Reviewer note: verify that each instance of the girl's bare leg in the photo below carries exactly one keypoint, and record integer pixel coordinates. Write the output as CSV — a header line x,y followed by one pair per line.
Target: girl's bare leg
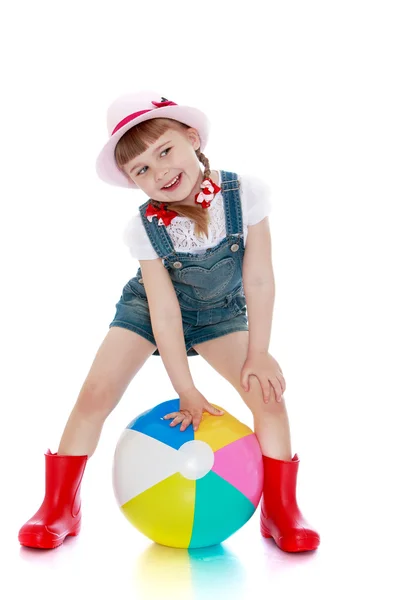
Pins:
x,y
227,355
119,358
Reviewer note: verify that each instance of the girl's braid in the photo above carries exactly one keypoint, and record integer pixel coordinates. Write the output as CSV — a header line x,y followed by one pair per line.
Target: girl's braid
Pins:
x,y
204,160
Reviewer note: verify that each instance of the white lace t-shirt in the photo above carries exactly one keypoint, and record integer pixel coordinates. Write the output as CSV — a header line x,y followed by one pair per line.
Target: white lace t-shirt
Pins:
x,y
256,204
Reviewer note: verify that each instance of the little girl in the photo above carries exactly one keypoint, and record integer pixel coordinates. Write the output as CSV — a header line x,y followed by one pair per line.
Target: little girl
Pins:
x,y
205,286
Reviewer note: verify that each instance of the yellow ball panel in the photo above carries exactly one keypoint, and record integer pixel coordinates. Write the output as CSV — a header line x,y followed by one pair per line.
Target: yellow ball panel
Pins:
x,y
218,432
165,512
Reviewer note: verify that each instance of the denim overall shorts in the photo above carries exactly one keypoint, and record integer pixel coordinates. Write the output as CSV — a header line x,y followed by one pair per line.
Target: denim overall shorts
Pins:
x,y
209,285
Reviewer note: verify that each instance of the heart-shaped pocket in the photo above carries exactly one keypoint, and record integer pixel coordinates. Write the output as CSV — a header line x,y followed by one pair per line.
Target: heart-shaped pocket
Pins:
x,y
208,283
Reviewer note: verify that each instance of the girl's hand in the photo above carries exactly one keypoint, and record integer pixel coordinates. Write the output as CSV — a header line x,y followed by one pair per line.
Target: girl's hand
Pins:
x,y
192,405
268,372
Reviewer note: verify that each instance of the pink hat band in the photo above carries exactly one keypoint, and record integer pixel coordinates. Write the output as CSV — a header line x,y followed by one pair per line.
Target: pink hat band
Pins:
x,y
142,112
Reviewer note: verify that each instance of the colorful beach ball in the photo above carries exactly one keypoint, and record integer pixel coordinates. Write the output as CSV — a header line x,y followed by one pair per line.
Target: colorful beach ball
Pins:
x,y
187,489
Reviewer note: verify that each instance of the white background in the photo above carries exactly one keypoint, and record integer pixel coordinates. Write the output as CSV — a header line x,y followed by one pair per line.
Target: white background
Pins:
x,y
303,94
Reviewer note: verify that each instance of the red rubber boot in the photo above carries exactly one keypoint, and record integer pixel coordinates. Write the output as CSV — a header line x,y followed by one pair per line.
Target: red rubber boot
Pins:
x,y
60,512
281,518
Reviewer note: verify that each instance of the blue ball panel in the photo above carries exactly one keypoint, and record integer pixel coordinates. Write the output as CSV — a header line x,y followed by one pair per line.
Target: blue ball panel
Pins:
x,y
151,423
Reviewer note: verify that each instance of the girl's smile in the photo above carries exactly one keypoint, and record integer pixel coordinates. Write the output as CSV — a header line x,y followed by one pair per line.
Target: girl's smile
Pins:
x,y
173,184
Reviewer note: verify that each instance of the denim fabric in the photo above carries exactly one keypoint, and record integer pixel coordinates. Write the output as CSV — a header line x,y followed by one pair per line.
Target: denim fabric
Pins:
x,y
208,285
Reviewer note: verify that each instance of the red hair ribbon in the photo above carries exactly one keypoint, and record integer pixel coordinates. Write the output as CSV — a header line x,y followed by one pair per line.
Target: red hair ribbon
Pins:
x,y
209,189
163,215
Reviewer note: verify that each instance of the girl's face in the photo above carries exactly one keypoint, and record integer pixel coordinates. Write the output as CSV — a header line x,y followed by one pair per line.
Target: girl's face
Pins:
x,y
170,160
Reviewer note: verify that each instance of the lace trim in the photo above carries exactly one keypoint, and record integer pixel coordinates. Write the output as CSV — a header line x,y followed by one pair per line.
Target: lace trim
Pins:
x,y
181,229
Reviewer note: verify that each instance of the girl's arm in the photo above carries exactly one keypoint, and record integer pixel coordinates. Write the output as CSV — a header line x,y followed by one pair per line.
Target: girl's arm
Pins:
x,y
259,285
166,322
